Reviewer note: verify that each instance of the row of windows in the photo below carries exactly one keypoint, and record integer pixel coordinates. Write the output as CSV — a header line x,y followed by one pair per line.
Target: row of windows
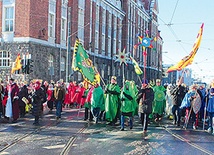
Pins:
x,y
5,60
8,25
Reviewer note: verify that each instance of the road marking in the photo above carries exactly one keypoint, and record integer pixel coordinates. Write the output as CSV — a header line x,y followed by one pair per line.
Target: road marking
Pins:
x,y
54,147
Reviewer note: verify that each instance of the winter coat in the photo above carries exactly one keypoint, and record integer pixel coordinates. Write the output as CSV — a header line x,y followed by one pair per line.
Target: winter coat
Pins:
x,y
59,93
210,107
23,93
178,94
37,102
145,99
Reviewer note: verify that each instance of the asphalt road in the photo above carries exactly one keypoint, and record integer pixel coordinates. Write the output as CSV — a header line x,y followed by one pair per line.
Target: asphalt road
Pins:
x,y
73,136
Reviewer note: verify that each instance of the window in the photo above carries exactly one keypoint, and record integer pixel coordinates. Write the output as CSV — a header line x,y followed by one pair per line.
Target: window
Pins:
x,y
109,47
50,61
9,18
63,60
51,25
81,24
96,40
63,30
51,21
81,4
4,59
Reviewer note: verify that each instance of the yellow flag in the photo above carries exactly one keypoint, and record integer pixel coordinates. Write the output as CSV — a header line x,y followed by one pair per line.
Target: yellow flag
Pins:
x,y
187,60
136,66
17,65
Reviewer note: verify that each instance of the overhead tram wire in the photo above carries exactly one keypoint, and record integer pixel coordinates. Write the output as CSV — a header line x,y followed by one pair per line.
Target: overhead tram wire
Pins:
x,y
174,11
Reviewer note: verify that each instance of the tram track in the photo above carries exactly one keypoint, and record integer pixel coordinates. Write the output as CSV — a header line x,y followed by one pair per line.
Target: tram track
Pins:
x,y
71,141
5,145
16,140
189,142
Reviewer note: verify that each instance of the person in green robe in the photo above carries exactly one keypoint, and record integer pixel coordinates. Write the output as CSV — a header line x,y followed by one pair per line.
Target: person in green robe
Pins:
x,y
97,101
159,103
128,103
112,101
135,92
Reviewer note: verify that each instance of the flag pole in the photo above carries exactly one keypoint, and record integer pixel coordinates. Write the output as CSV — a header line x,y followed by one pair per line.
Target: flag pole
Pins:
x,y
182,75
144,63
95,68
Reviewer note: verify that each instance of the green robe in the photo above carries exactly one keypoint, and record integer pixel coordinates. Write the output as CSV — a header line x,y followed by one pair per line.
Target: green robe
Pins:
x,y
97,99
159,103
112,101
128,98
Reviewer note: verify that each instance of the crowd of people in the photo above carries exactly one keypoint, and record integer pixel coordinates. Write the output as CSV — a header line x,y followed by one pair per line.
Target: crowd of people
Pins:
x,y
113,104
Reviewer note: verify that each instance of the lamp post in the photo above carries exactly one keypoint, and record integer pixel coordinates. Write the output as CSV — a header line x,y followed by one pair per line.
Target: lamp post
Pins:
x,y
68,60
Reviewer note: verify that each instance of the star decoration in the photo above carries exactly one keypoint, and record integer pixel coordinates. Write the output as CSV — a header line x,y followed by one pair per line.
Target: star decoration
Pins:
x,y
122,57
145,41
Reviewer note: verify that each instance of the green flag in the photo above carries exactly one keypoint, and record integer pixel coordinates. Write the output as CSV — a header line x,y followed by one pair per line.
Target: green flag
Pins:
x,y
82,63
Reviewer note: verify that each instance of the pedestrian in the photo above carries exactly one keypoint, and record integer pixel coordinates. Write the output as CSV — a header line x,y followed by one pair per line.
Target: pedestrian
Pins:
x,y
210,110
97,101
50,96
23,100
112,102
128,104
169,102
59,95
74,94
1,99
178,94
12,105
159,101
80,94
87,104
203,91
37,99
69,93
191,101
145,99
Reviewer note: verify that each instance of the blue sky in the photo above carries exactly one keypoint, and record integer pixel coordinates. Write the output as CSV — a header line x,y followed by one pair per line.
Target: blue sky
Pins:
x,y
179,23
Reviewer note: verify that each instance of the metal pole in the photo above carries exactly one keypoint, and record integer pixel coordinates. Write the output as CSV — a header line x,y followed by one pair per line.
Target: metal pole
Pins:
x,y
68,60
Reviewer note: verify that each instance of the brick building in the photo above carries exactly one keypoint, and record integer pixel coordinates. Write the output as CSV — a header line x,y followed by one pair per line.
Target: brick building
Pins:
x,y
44,28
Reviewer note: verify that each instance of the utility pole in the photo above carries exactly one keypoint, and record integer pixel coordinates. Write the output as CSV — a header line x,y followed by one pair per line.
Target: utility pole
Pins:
x,y
68,60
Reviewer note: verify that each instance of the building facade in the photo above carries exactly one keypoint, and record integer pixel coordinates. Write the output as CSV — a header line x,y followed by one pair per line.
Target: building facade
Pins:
x,y
47,29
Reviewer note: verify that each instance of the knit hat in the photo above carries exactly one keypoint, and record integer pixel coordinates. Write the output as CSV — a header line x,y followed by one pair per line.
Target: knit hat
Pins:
x,y
145,81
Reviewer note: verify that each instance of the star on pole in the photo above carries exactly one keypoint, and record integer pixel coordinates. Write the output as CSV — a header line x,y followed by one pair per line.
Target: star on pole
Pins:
x,y
122,57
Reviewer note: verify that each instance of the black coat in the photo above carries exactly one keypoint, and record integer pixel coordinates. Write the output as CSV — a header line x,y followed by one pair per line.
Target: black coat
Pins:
x,y
37,102
178,94
145,99
23,93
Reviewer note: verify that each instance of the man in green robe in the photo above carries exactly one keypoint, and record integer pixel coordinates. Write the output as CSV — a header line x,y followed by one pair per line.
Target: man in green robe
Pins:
x,y
159,101
128,103
97,101
112,102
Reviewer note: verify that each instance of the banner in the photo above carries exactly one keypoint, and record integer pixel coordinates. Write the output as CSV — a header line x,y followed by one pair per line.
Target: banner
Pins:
x,y
187,60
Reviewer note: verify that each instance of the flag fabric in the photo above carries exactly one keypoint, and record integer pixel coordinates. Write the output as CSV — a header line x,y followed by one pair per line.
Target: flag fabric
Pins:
x,y
187,60
137,69
17,64
83,64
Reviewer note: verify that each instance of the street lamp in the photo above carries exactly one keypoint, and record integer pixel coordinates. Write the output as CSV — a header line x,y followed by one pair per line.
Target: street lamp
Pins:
x,y
68,59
